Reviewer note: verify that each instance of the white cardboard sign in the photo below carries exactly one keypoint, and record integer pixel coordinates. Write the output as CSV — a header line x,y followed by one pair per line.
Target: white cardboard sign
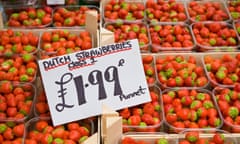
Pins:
x,y
55,2
78,84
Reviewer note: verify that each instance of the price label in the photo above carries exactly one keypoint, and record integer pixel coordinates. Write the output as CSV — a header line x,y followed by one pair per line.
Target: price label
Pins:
x,y
55,2
78,84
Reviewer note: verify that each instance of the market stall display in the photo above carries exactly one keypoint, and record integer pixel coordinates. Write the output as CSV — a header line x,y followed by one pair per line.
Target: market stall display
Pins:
x,y
190,57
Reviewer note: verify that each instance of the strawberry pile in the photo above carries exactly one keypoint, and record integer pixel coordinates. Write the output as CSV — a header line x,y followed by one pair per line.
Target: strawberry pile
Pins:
x,y
229,105
190,108
71,16
166,37
213,35
40,130
223,70
60,42
129,11
165,11
207,11
180,71
128,31
29,17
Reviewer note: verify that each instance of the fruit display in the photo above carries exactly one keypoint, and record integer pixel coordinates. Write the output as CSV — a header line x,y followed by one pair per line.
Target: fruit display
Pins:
x,y
189,51
165,11
16,101
29,17
145,117
213,10
11,132
180,70
171,37
188,108
210,136
63,41
124,10
18,42
41,130
222,70
215,36
71,15
228,103
126,31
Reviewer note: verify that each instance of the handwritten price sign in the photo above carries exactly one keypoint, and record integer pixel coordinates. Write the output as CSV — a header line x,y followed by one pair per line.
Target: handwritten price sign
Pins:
x,y
78,84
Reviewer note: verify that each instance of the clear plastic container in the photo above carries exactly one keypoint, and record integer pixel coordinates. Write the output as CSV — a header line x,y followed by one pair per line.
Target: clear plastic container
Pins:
x,y
236,26
18,17
61,44
232,6
218,56
19,68
148,61
162,59
176,13
15,3
213,16
149,121
230,124
19,42
138,7
207,47
149,138
208,135
176,42
19,99
34,128
126,31
189,112
60,18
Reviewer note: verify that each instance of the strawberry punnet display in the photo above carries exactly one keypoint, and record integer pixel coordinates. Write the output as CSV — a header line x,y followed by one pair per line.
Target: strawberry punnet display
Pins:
x,y
29,17
165,11
11,132
223,69
208,136
207,11
60,42
215,36
171,37
16,100
41,130
188,108
234,9
126,31
180,71
18,42
229,105
124,10
146,117
71,15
